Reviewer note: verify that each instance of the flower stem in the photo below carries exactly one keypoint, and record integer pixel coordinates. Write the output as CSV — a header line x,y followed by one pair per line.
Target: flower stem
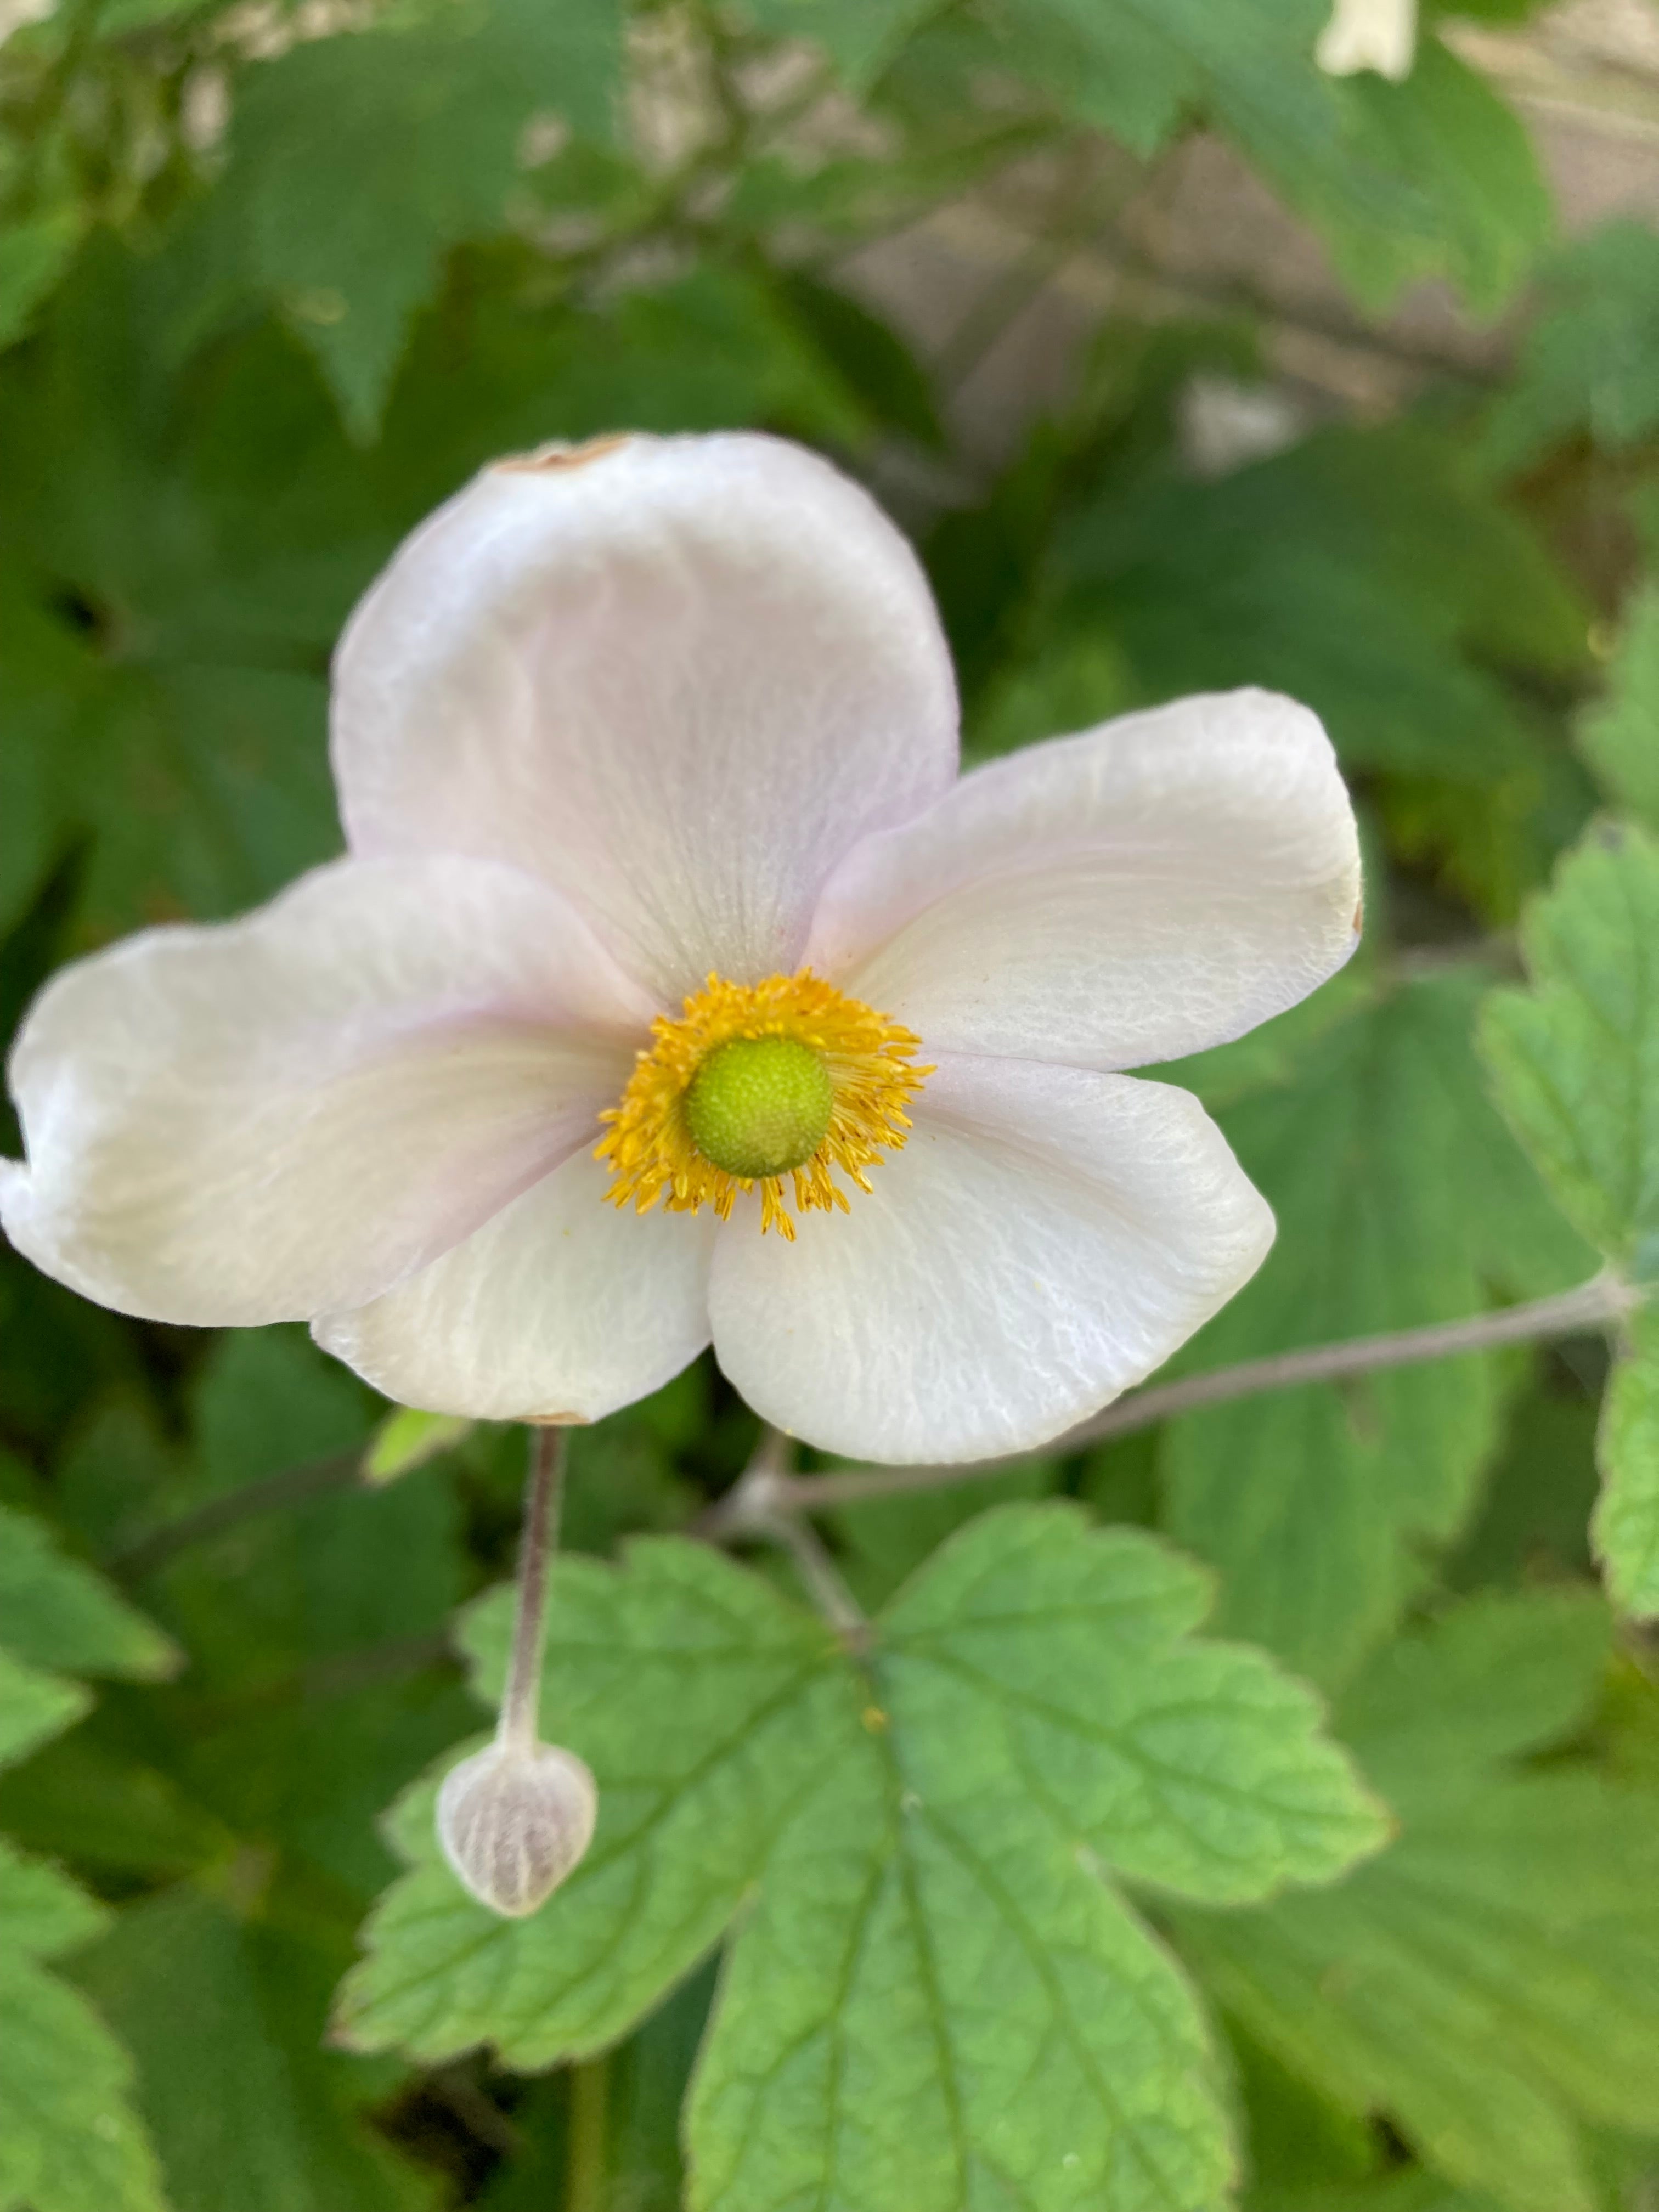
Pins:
x,y
767,1483
586,2159
543,1498
1597,1304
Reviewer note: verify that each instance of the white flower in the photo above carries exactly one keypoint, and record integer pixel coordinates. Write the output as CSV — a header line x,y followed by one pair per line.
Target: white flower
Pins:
x,y
664,731
1370,34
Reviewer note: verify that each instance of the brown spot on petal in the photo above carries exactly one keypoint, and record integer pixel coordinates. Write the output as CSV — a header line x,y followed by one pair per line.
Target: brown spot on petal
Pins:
x,y
1359,917
547,458
557,1420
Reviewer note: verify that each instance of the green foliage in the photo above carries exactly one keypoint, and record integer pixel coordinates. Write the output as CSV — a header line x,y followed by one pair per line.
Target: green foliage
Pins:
x,y
69,2139
1575,1058
1488,1981
321,209
407,1439
221,2017
926,1825
1620,737
1319,1503
1369,572
888,1922
1627,1523
1587,368
58,1613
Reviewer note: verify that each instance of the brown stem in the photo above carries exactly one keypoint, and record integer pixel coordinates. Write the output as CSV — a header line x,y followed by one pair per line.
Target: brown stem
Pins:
x,y
1594,1305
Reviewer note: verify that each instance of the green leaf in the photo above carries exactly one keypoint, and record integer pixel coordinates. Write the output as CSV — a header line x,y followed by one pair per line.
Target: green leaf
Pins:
x,y
1108,66
1400,1201
875,364
88,1799
407,1439
1492,1982
1625,1526
1483,211
34,255
1575,1058
1433,177
705,1705
1586,366
1619,737
860,36
1533,1522
317,1680
886,1539
69,2140
940,1993
335,221
1367,572
56,1613
34,1707
225,2021
41,1913
175,570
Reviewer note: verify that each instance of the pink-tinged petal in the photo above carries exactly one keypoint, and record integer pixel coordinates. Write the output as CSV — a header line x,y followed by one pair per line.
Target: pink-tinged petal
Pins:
x,y
1048,1236
262,1120
1151,888
561,1308
679,677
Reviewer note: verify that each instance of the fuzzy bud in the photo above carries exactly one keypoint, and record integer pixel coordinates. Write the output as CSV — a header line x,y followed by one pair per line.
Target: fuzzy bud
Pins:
x,y
514,1819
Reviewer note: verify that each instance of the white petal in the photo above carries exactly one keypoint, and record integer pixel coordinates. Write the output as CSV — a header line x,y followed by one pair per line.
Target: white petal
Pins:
x,y
679,677
1048,1236
561,1307
1152,887
1370,34
259,1121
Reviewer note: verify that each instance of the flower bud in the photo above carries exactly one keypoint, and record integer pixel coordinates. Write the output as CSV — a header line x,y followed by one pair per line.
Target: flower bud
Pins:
x,y
514,1819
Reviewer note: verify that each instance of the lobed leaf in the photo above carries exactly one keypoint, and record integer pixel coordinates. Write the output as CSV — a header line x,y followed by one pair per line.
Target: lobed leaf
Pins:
x,y
69,2139
938,1998
223,2015
1586,367
35,1707
1625,1528
54,1612
1400,1199
1575,1059
1489,1982
329,214
1619,737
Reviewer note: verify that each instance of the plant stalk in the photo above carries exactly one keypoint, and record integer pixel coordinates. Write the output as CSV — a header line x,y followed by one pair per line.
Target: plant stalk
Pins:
x,y
543,1498
764,1493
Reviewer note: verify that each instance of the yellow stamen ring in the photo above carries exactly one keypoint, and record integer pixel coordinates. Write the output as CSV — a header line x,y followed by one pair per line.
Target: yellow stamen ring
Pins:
x,y
754,1082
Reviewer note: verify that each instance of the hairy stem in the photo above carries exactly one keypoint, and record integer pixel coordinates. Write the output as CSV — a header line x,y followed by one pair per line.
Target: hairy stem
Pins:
x,y
544,1495
1595,1304
767,1484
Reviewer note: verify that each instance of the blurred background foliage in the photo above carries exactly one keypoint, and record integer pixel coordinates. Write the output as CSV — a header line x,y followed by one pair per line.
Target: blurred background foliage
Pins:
x,y
1187,367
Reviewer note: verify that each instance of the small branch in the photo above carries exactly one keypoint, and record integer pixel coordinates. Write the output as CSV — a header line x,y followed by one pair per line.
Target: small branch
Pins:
x,y
1598,1303
819,1573
294,1485
766,1487
543,1498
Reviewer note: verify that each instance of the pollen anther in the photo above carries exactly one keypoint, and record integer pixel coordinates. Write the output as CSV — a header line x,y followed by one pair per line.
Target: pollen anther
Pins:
x,y
765,1110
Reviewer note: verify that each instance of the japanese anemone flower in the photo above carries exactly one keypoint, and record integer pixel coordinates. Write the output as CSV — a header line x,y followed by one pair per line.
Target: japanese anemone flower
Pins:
x,y
662,889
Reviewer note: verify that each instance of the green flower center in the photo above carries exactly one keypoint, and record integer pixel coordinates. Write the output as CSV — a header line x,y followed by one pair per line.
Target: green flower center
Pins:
x,y
760,1106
